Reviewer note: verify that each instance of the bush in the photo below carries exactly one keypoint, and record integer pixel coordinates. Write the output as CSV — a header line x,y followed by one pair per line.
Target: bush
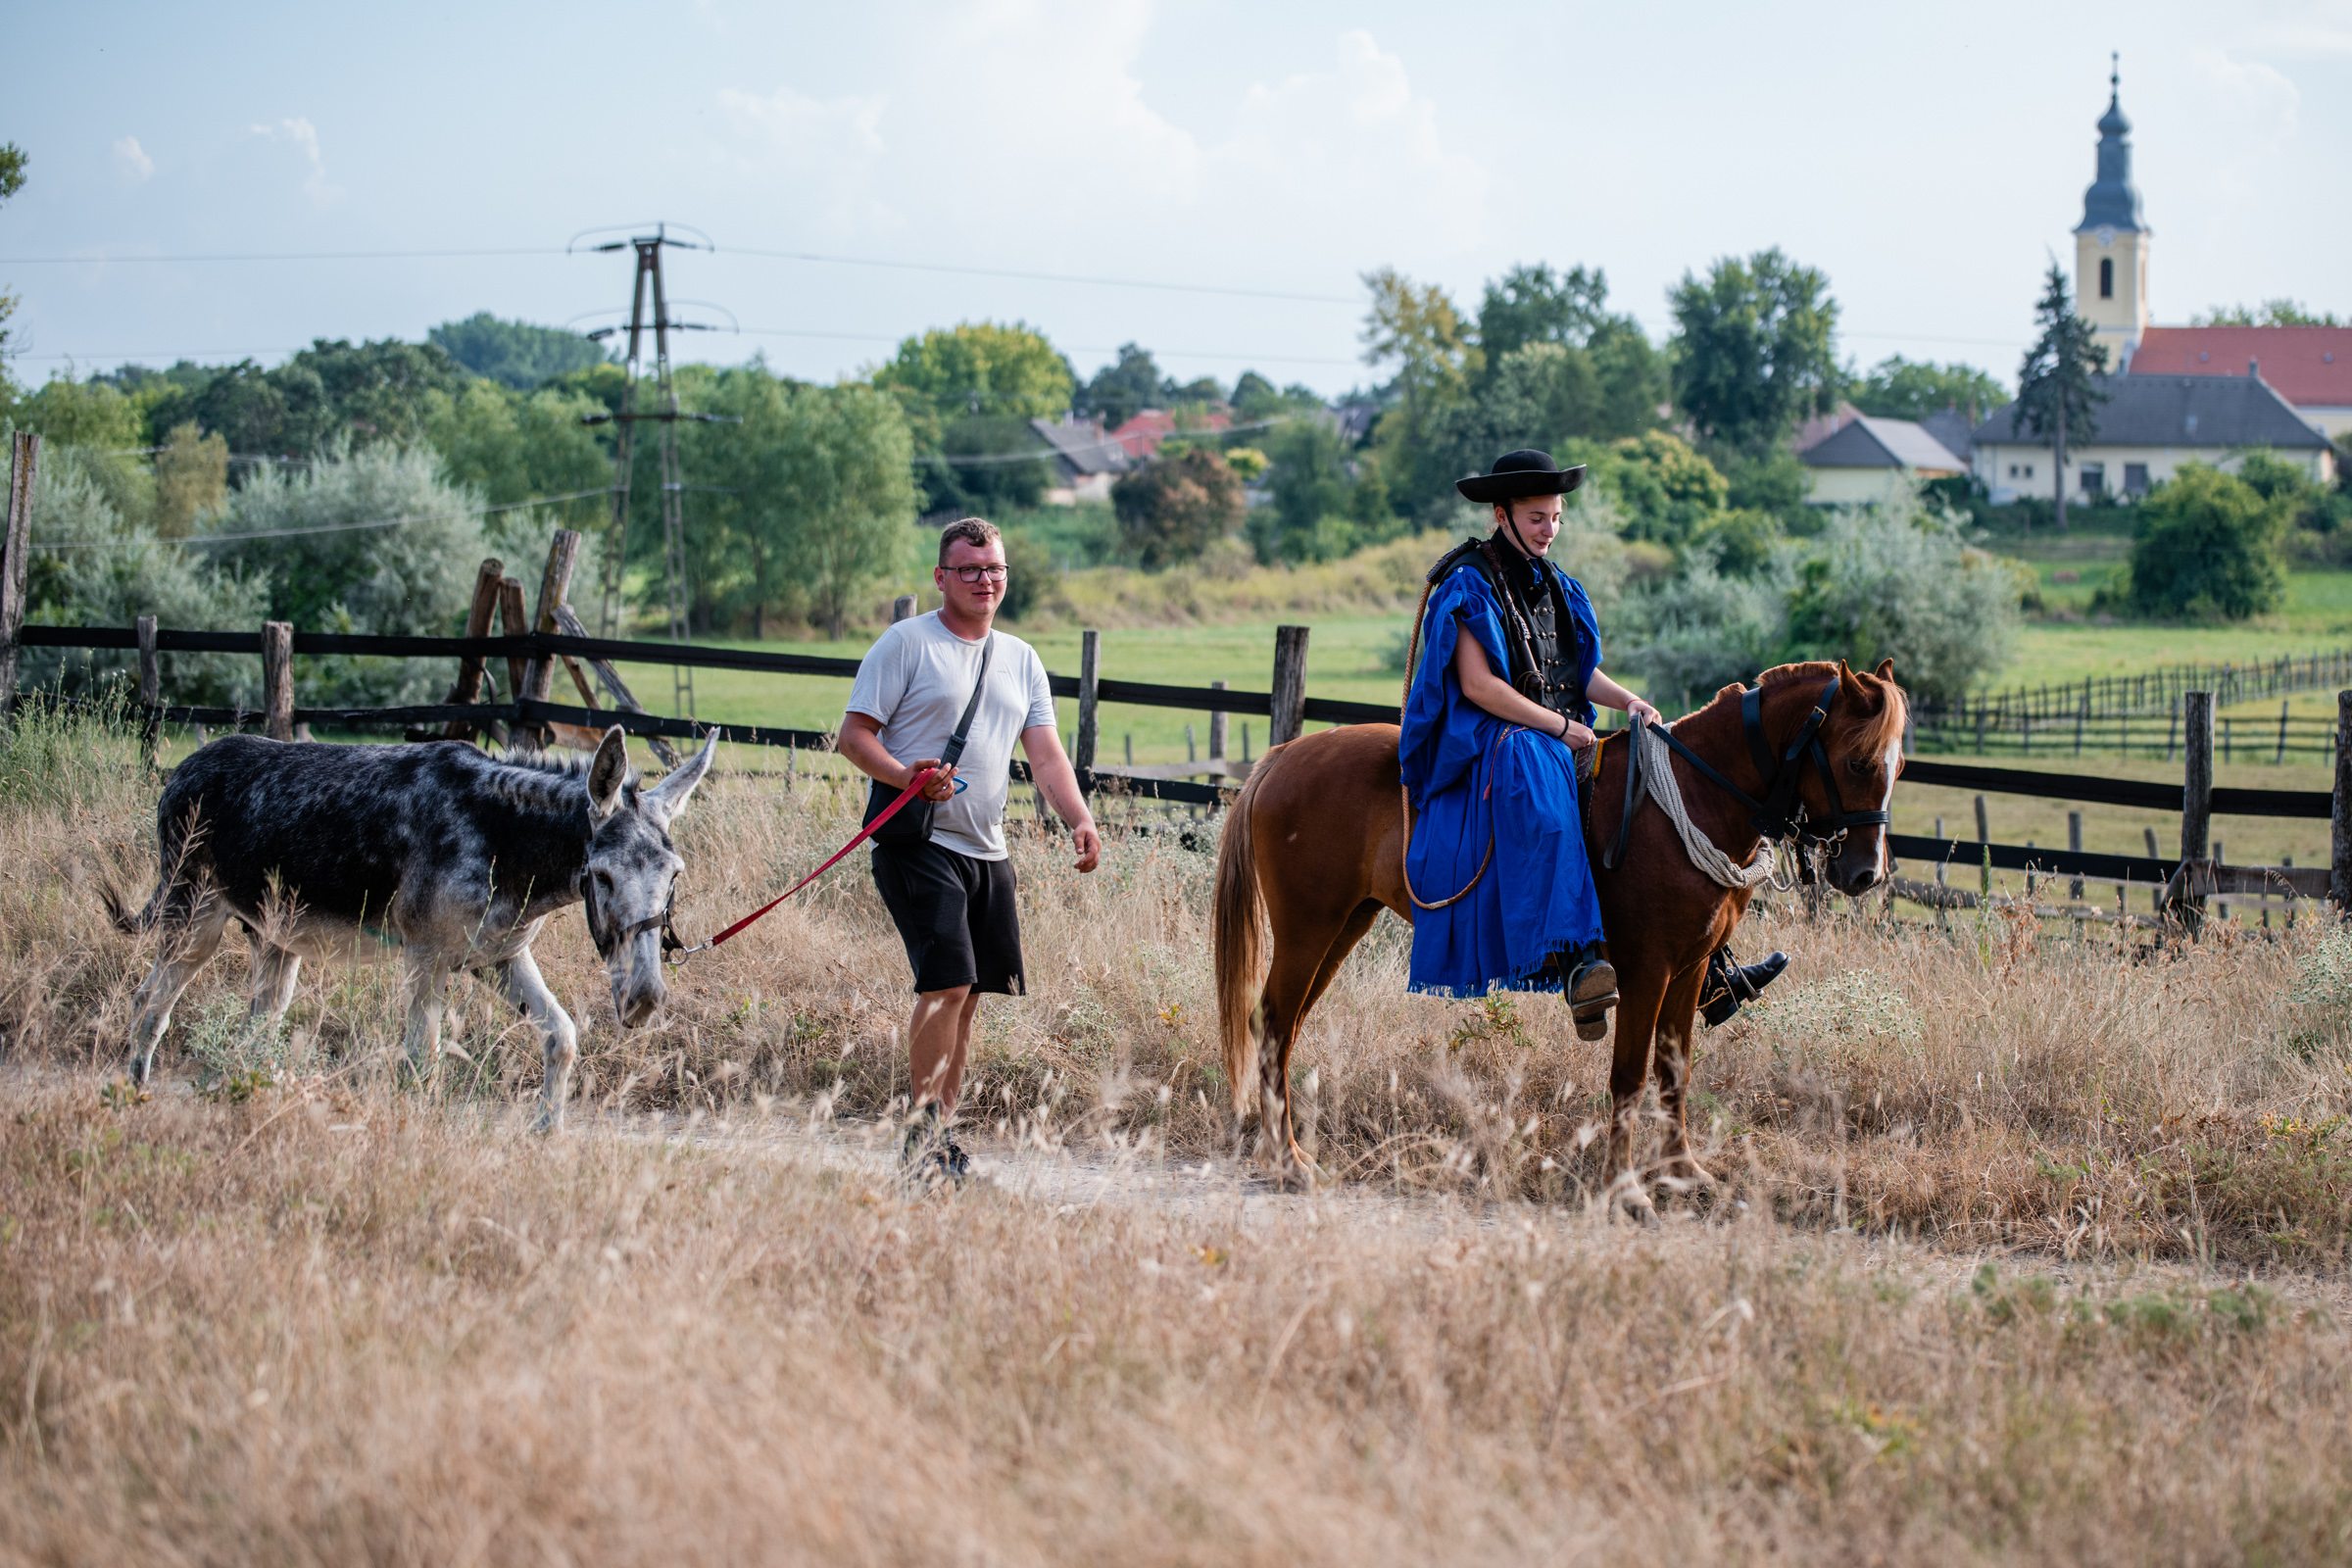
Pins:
x,y
92,567
370,541
2209,549
1899,582
1172,508
1687,636
1031,584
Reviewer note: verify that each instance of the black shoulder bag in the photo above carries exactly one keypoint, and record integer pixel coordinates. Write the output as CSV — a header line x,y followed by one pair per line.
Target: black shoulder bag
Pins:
x,y
913,824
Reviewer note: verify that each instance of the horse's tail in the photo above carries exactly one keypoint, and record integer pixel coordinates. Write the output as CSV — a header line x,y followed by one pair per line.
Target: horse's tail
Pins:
x,y
1237,943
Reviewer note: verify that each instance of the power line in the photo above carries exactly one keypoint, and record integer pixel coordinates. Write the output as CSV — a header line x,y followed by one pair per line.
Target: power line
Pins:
x,y
328,527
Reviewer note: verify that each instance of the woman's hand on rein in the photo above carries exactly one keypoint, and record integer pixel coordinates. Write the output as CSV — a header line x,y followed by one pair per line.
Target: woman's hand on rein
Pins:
x,y
1640,708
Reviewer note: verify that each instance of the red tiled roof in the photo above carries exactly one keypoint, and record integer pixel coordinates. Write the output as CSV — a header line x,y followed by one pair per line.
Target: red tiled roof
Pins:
x,y
2311,366
1142,434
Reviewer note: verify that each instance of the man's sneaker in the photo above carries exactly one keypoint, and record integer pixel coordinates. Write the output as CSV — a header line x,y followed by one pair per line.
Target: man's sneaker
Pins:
x,y
931,1154
1592,991
1730,983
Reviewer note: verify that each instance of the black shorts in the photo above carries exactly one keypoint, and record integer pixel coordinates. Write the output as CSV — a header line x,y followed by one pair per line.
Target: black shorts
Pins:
x,y
955,914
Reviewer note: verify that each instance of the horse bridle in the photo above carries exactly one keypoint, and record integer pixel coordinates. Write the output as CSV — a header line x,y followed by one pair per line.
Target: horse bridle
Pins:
x,y
1780,813
609,944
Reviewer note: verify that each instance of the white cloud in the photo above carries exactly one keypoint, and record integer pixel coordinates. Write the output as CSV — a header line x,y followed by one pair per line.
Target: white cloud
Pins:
x,y
303,136
132,160
1015,121
2256,101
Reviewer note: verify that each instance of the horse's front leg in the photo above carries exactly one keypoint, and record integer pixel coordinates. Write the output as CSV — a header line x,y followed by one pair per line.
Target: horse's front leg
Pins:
x,y
519,981
1671,1059
1642,991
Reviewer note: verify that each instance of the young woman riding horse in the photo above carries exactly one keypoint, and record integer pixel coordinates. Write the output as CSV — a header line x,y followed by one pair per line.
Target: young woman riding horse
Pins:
x,y
1506,880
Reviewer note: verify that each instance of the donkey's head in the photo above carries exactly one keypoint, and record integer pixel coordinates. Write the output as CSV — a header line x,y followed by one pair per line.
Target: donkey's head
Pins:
x,y
632,869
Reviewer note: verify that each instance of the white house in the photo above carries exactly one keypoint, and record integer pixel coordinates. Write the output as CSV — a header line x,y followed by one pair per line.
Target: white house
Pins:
x,y
2147,428
1869,460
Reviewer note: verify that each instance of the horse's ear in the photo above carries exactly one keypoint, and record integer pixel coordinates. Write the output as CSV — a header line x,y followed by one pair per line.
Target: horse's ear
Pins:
x,y
1886,670
606,774
1845,672
666,799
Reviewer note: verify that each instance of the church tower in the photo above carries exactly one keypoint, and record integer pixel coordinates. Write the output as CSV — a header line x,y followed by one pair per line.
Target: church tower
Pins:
x,y
2111,244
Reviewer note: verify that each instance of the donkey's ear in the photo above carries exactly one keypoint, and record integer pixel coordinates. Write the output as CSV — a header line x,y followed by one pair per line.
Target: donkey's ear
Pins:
x,y
666,799
1886,670
606,774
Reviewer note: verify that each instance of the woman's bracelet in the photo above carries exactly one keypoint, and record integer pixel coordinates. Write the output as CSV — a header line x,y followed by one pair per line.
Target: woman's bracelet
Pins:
x,y
1563,727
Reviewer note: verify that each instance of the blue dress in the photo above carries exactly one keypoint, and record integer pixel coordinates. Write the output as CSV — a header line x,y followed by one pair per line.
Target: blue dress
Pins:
x,y
1474,780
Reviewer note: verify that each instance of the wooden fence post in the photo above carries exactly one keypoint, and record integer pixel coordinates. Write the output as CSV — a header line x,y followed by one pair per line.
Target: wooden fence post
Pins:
x,y
555,587
2196,806
2282,756
1983,837
2339,822
151,691
2074,843
15,544
512,622
468,687
1289,685
1090,717
901,609
277,679
1217,727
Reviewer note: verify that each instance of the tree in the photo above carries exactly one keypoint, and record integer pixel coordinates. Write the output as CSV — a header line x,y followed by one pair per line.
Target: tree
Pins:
x,y
12,180
1665,489
1632,377
1417,329
1536,305
979,466
1121,389
1754,348
512,446
2208,549
107,427
2058,393
1253,396
1172,508
1897,389
333,390
2280,312
809,502
514,354
191,478
979,368
1542,394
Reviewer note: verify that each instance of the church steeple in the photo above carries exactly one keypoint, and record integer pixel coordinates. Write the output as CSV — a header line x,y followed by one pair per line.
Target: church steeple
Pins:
x,y
2111,244
2113,201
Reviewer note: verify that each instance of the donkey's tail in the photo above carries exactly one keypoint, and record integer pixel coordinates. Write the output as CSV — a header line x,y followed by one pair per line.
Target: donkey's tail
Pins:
x,y
1238,941
127,920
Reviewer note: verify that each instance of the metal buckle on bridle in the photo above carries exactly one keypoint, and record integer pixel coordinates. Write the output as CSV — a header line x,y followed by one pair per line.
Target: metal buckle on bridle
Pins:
x,y
665,922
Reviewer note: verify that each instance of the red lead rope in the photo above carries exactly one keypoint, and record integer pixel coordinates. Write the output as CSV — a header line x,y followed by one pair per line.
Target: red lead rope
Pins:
x,y
913,788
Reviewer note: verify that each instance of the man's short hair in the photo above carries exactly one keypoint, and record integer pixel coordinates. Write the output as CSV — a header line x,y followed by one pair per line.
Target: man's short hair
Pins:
x,y
977,532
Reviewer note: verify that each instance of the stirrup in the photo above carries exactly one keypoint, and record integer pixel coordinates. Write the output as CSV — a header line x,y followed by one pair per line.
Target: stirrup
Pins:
x,y
1592,991
1731,983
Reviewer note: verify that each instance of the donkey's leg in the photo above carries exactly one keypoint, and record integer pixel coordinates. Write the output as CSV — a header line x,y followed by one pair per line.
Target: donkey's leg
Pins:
x,y
190,933
1642,990
424,985
519,981
275,971
1671,1059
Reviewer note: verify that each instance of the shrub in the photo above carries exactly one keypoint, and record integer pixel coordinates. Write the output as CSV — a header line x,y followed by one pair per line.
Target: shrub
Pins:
x,y
2209,549
1174,507
1687,636
1899,582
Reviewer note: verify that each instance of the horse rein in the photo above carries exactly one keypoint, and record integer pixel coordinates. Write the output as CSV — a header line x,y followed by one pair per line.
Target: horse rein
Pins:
x,y
1780,815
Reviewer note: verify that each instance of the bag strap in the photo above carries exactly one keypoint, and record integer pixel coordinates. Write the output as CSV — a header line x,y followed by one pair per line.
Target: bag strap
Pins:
x,y
964,725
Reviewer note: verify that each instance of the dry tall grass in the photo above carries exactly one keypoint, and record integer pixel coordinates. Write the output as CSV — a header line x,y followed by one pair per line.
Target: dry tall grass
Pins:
x,y
306,1316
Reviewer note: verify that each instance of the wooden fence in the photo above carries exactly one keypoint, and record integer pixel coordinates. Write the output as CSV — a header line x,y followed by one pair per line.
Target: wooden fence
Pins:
x,y
2149,693
2182,883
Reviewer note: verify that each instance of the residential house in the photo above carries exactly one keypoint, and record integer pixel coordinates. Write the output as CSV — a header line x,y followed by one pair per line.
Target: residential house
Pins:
x,y
1869,460
1142,434
1087,460
2310,367
2146,429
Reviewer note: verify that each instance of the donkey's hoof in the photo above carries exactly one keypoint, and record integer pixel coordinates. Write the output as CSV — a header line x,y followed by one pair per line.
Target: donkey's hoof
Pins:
x,y
1688,1176
1628,1200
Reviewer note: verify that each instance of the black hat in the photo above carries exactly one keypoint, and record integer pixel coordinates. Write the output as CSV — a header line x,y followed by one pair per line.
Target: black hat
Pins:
x,y
1527,472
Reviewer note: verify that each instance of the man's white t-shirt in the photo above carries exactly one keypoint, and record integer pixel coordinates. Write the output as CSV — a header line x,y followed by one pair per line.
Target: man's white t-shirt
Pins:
x,y
915,682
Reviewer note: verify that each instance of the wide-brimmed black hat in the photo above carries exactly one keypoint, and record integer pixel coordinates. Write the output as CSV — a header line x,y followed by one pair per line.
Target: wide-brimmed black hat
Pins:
x,y
1526,472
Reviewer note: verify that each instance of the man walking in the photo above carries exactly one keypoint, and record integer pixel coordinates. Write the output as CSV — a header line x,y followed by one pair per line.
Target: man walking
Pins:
x,y
950,892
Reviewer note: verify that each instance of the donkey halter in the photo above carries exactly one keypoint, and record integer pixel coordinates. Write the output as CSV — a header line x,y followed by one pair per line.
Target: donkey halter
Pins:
x,y
609,943
1779,815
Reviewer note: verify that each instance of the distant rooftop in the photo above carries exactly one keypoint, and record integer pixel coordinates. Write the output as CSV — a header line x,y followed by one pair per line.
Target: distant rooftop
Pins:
x,y
2176,410
2311,366
1869,442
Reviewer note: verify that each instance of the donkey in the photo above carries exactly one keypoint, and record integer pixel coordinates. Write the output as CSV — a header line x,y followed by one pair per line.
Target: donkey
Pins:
x,y
453,857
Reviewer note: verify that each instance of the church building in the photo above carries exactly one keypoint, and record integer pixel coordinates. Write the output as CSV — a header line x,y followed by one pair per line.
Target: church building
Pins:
x,y
2175,394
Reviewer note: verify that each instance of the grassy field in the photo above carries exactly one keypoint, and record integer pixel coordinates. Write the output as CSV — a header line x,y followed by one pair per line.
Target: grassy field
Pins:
x,y
2032,1248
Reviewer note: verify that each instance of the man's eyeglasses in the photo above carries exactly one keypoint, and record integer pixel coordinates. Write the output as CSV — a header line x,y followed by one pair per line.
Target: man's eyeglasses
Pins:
x,y
973,574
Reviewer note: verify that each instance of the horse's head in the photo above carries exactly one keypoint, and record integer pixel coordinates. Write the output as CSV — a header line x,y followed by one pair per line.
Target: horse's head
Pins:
x,y
1861,751
632,870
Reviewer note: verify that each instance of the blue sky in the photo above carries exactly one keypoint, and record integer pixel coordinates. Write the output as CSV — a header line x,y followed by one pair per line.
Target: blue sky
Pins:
x,y
1927,159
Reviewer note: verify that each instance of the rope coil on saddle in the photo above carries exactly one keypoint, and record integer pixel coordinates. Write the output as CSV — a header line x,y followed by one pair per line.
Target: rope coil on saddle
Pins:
x,y
1649,771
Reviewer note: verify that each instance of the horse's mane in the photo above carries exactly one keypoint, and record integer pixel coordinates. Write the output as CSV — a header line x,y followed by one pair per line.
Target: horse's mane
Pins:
x,y
1882,727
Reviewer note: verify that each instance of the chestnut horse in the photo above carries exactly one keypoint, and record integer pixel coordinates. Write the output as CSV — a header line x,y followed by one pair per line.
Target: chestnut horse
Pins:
x,y
1315,842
